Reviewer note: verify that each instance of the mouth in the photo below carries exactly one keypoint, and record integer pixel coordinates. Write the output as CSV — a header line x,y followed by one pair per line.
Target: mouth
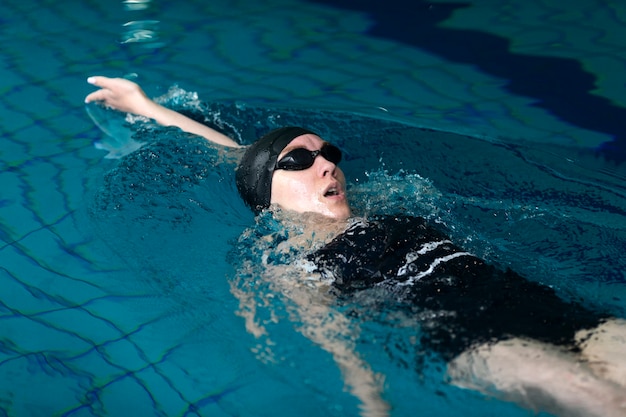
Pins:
x,y
333,190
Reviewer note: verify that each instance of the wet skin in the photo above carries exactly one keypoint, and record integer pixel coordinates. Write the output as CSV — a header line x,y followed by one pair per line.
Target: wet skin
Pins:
x,y
319,189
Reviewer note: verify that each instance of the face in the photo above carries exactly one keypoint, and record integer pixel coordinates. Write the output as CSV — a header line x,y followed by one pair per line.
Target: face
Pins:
x,y
318,189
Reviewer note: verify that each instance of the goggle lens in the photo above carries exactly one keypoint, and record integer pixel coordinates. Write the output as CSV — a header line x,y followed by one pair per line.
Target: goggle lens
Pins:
x,y
300,159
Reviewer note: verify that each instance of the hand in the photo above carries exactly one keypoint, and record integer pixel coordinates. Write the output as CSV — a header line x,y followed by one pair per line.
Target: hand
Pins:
x,y
120,94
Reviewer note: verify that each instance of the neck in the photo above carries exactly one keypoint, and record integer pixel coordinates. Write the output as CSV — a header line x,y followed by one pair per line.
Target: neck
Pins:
x,y
314,230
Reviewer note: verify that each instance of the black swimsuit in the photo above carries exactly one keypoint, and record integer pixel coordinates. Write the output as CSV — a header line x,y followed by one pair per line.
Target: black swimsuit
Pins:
x,y
472,302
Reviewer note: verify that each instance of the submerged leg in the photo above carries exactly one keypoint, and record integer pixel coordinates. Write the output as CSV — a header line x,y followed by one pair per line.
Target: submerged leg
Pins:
x,y
538,376
604,349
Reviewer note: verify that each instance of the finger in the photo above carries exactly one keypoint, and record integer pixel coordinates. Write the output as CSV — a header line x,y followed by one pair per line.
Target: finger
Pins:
x,y
99,95
100,81
94,80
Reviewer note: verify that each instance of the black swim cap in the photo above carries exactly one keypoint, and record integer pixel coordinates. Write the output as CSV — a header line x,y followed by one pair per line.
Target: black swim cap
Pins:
x,y
254,173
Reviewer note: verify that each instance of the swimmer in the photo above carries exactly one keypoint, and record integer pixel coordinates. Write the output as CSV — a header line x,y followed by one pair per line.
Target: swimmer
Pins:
x,y
556,356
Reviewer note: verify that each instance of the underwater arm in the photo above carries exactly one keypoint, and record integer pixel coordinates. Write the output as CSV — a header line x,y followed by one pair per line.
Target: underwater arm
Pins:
x,y
326,327
334,332
126,96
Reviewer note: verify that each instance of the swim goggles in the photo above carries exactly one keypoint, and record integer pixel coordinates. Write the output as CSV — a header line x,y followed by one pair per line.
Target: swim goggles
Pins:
x,y
301,158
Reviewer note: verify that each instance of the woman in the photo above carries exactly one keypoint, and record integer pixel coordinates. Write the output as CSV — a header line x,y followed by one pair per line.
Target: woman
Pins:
x,y
554,356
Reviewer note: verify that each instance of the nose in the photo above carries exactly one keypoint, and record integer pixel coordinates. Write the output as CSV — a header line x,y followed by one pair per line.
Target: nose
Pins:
x,y
324,167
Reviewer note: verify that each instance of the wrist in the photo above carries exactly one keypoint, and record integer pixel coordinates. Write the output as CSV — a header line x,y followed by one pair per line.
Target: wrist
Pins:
x,y
153,111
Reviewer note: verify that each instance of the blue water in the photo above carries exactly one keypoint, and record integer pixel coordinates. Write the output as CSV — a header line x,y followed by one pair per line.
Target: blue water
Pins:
x,y
500,121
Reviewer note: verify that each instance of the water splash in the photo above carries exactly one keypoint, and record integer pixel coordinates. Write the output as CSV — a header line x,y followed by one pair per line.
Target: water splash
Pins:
x,y
116,126
403,192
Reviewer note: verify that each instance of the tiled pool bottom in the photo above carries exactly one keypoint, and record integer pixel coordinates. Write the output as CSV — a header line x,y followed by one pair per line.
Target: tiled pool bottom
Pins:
x,y
280,52
315,55
310,54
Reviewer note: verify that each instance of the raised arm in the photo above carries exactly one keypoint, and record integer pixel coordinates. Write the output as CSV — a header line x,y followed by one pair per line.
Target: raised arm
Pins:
x,y
126,96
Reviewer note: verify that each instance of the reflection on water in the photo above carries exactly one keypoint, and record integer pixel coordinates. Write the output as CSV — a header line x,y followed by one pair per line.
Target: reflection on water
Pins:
x,y
144,32
136,4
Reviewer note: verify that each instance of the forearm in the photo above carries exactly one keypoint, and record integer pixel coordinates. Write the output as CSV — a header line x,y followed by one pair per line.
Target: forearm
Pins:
x,y
167,117
332,332
360,379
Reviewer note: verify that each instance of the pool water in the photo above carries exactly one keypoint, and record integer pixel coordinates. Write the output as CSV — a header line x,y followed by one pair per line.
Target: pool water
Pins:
x,y
500,120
